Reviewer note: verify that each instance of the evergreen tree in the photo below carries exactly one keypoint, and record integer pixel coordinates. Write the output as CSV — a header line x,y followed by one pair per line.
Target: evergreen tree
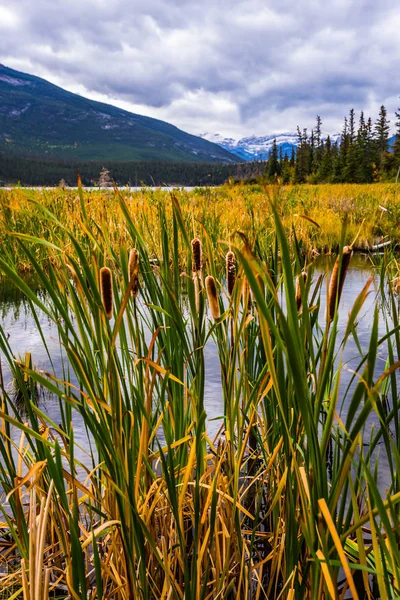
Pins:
x,y
350,158
340,159
292,157
382,129
286,170
396,148
319,145
273,168
326,167
302,157
364,167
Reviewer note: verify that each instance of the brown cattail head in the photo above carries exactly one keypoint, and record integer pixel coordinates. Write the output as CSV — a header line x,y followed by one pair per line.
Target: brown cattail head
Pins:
x,y
337,280
298,288
212,297
133,266
106,291
197,256
230,271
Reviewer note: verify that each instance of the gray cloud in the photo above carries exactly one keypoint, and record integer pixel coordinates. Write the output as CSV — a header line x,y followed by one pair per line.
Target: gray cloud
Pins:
x,y
233,66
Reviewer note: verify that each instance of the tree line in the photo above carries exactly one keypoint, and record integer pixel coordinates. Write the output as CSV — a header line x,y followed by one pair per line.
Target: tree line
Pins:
x,y
363,153
45,172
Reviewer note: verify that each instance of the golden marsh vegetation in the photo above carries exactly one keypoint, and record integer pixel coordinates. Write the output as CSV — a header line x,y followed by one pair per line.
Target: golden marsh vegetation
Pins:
x,y
283,502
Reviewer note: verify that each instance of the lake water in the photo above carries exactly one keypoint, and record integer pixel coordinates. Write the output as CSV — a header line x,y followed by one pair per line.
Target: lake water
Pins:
x,y
163,188
18,323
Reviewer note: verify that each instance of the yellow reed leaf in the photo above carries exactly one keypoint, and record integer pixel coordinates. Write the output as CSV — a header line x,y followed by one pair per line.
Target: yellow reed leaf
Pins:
x,y
101,530
327,576
35,471
338,545
161,370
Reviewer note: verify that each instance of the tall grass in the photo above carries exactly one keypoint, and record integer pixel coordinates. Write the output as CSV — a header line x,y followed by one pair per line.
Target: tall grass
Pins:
x,y
372,213
283,503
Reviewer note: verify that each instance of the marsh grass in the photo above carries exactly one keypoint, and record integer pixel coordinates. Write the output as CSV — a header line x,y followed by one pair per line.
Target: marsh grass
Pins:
x,y
283,503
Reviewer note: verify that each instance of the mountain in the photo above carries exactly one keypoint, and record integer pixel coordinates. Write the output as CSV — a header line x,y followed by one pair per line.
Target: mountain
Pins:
x,y
254,147
40,119
257,147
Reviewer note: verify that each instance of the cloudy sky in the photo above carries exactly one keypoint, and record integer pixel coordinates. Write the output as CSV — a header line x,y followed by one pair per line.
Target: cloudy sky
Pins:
x,y
237,67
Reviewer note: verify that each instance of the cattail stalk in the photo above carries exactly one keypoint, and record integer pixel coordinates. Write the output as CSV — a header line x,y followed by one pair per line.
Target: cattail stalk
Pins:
x,y
298,288
337,280
230,271
212,296
106,291
196,283
133,267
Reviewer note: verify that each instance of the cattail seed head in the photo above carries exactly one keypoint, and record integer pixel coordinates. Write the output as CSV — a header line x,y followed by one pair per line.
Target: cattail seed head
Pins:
x,y
212,296
133,266
230,271
337,280
298,288
197,258
106,291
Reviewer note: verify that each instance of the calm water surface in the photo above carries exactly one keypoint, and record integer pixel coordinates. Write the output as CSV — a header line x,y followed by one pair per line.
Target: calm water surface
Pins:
x,y
16,319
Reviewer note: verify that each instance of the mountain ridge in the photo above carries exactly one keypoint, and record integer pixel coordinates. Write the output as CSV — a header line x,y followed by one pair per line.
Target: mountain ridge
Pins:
x,y
258,147
38,118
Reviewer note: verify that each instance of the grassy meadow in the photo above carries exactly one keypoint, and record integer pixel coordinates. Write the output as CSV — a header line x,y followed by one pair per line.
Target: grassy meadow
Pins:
x,y
284,502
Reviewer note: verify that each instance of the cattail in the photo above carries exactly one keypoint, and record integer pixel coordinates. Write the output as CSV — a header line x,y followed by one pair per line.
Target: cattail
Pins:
x,y
196,292
212,297
106,291
133,266
337,280
298,288
196,257
230,271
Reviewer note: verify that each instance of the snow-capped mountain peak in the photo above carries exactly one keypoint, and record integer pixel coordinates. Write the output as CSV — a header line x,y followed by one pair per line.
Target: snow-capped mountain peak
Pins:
x,y
257,147
254,147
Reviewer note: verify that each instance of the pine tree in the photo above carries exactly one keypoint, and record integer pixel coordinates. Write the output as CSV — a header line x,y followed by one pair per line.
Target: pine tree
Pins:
x,y
273,169
340,159
302,157
319,145
396,148
292,157
382,129
286,170
364,168
326,167
350,159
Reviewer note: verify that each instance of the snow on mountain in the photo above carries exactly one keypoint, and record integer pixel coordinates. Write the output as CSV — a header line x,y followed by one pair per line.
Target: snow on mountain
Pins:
x,y
257,147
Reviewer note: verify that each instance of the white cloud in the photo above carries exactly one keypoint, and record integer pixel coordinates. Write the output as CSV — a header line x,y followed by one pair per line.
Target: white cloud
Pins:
x,y
234,66
8,19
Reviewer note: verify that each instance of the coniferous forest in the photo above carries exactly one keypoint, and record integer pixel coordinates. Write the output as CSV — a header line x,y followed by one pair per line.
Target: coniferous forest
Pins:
x,y
364,152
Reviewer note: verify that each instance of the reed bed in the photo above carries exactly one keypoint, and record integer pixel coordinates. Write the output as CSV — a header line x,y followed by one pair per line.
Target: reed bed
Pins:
x,y
283,503
371,212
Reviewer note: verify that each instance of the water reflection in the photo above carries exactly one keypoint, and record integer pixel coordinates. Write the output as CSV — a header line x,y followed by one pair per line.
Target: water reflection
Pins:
x,y
18,323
